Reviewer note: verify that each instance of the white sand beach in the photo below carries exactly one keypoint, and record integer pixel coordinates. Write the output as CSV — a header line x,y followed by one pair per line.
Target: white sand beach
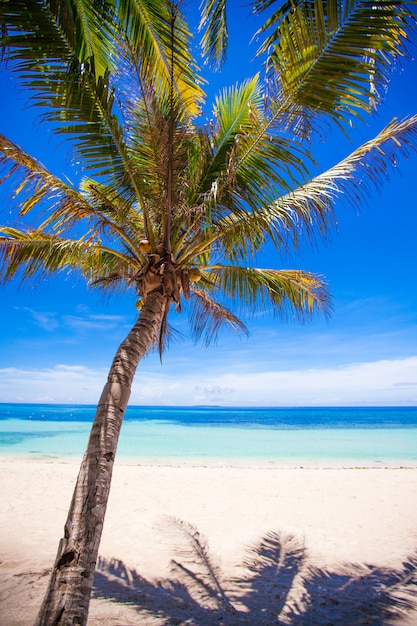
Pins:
x,y
357,525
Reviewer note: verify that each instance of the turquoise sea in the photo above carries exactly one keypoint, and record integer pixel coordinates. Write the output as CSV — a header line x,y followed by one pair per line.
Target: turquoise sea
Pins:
x,y
217,435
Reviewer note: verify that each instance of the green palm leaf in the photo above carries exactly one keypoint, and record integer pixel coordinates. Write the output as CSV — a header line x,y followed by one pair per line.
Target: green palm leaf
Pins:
x,y
50,43
244,154
60,208
26,254
57,58
296,292
349,182
81,102
232,113
158,43
334,57
310,208
215,34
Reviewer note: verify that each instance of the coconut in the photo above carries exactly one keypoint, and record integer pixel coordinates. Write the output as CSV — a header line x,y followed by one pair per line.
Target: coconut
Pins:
x,y
194,275
144,246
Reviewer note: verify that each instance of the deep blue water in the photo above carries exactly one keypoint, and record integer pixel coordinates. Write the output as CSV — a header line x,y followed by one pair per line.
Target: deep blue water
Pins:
x,y
307,436
268,417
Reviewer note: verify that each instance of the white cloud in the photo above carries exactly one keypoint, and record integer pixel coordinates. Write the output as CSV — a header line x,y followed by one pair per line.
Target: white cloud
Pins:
x,y
381,382
384,382
212,394
47,320
93,322
61,384
85,321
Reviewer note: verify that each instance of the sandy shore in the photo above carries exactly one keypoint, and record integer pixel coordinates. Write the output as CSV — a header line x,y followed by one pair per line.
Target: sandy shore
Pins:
x,y
338,539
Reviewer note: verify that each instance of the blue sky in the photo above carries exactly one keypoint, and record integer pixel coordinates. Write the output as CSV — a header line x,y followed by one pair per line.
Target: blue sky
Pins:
x,y
57,338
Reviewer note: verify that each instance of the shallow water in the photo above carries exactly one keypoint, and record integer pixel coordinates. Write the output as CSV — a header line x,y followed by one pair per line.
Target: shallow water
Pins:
x,y
210,435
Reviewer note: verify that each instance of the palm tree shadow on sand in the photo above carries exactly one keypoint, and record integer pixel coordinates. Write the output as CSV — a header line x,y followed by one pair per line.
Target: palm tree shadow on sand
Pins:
x,y
278,586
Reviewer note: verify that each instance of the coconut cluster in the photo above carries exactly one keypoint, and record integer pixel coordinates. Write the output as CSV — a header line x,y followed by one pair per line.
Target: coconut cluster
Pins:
x,y
161,272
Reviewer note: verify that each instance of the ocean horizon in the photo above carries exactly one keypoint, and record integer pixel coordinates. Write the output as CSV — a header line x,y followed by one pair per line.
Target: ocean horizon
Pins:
x,y
267,436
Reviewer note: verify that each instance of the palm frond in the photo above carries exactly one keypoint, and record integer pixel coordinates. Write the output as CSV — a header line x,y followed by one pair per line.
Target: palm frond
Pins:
x,y
106,200
37,190
89,120
215,33
30,253
309,210
208,317
244,156
159,144
92,123
78,101
88,28
294,292
261,152
335,57
35,182
232,114
49,42
166,331
82,104
58,206
349,182
158,41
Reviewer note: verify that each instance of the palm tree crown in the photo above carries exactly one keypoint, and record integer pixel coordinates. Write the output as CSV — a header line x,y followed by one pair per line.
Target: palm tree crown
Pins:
x,y
171,204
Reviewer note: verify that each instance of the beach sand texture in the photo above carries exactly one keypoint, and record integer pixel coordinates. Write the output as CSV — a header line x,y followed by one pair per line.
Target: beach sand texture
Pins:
x,y
356,527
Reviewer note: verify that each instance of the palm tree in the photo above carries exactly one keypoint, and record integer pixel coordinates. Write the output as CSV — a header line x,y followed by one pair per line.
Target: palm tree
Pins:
x,y
173,209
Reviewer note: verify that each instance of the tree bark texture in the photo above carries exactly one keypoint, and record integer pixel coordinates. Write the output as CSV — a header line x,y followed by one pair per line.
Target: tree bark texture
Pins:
x,y
67,599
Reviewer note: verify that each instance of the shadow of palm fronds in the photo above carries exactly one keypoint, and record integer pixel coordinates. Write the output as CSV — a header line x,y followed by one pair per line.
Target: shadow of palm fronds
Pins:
x,y
198,572
278,586
273,567
167,600
379,596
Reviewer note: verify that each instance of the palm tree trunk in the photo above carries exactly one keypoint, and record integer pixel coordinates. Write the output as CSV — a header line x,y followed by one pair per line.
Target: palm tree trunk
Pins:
x,y
68,596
